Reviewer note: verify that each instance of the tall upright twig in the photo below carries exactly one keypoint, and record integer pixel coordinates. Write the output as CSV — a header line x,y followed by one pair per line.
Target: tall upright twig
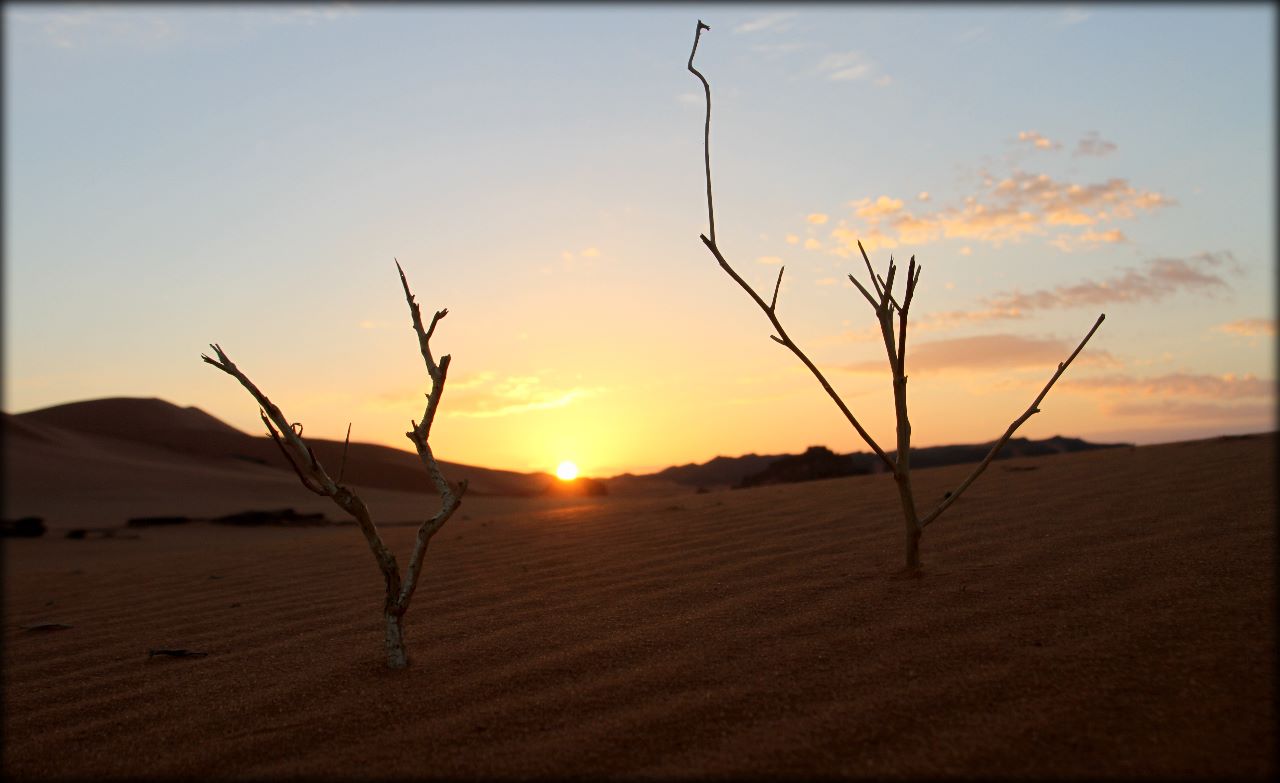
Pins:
x,y
770,310
706,132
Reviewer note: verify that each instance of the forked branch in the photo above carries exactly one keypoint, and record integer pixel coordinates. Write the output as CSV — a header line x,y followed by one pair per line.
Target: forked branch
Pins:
x,y
314,477
310,472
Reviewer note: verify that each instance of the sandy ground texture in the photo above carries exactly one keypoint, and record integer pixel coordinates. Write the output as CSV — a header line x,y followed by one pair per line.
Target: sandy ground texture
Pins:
x,y
1105,614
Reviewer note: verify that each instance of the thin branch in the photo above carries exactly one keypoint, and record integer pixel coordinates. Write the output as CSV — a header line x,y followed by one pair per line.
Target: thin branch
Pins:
x,y
706,133
870,271
313,476
275,436
913,276
1018,422
784,339
871,300
297,450
342,469
774,304
415,313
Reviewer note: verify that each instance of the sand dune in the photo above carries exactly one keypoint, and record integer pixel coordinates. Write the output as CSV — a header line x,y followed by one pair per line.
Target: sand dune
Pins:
x,y
99,463
1105,614
171,431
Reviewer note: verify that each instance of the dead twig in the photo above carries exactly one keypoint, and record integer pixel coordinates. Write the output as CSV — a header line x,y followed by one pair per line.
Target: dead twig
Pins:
x,y
342,469
1018,422
782,338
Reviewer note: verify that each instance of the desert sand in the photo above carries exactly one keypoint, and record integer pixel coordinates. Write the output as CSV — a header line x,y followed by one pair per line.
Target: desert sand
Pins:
x,y
1105,614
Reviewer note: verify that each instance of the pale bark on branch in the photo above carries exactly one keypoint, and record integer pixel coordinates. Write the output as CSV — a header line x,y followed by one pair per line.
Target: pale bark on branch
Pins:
x,y
885,304
313,476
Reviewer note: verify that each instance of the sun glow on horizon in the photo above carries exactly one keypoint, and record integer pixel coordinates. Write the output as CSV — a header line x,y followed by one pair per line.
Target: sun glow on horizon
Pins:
x,y
566,471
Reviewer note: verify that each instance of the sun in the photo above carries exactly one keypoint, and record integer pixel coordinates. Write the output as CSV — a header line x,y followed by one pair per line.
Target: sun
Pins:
x,y
566,471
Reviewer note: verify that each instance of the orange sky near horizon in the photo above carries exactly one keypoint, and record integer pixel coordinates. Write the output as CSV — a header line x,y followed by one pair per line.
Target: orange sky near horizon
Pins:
x,y
252,172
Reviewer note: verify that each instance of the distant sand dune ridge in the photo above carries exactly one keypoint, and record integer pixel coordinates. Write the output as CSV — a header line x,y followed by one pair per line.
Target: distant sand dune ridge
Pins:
x,y
1104,614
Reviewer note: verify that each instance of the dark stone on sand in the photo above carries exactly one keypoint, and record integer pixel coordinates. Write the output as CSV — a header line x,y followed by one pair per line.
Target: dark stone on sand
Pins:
x,y
158,521
283,516
26,527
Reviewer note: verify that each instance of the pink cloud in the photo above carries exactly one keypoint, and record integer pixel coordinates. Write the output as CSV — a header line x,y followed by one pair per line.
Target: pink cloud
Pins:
x,y
1162,277
1095,145
1249,327
1181,384
1011,209
987,352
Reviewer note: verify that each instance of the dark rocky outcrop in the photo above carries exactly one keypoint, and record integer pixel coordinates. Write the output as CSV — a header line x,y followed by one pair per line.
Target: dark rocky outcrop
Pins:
x,y
578,486
157,521
817,462
283,516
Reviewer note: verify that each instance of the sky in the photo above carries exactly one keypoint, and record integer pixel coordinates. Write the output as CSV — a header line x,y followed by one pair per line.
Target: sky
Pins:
x,y
247,175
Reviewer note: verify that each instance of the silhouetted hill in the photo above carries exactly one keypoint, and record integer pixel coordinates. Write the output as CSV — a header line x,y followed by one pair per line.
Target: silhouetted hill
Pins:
x,y
719,472
1016,447
156,423
138,419
819,462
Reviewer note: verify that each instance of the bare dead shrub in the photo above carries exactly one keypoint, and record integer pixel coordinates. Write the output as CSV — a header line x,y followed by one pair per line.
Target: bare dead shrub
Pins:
x,y
314,477
885,305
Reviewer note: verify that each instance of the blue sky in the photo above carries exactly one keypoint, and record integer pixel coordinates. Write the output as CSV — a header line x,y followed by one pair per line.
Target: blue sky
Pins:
x,y
245,175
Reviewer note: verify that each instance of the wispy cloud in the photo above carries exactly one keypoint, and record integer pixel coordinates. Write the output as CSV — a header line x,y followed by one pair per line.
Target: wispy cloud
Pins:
x,y
488,396
81,26
988,352
1073,15
570,261
851,66
1093,145
1200,412
778,48
1158,279
1182,396
1249,327
1181,384
971,34
1038,140
1089,239
946,320
1009,209
777,22
76,27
